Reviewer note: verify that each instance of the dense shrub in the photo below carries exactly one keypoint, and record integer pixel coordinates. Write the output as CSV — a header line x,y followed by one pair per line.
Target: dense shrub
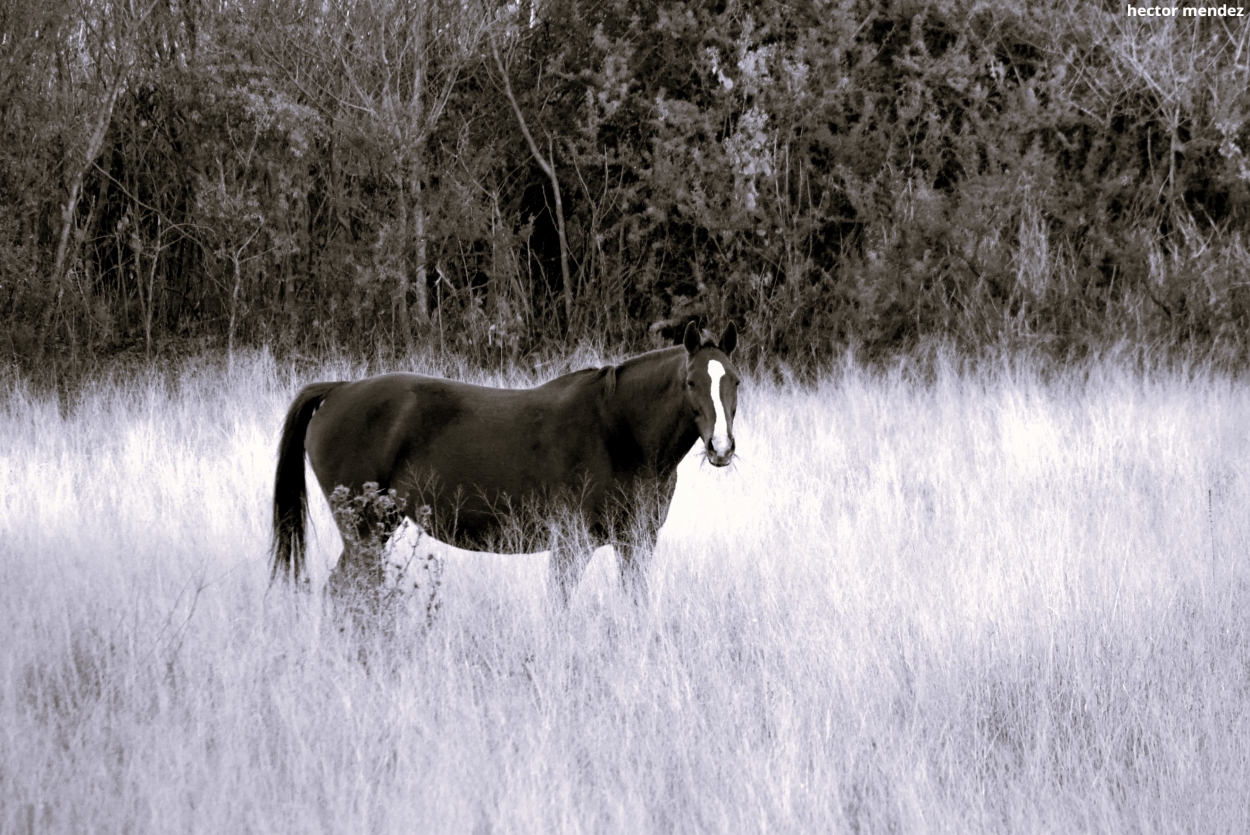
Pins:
x,y
1056,175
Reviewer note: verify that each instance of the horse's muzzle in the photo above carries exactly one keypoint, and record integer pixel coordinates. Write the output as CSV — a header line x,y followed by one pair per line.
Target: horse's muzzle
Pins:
x,y
720,459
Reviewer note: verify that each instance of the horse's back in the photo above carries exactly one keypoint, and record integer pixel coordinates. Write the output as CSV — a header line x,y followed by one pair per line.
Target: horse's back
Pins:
x,y
411,432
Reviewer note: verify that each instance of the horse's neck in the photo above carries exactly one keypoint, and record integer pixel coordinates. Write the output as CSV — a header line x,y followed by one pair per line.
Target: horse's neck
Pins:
x,y
652,406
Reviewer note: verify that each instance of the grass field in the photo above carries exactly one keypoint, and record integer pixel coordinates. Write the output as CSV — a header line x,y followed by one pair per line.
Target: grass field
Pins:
x,y
984,601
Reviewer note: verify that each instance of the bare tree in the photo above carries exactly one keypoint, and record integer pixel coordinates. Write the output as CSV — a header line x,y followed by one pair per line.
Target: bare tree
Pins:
x,y
548,165
399,62
93,70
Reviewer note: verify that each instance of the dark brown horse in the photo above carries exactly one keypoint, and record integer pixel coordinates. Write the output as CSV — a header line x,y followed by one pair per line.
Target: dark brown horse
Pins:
x,y
499,468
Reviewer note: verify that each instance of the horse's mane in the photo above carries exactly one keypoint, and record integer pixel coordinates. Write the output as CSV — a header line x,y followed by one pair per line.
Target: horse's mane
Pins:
x,y
586,377
609,373
649,357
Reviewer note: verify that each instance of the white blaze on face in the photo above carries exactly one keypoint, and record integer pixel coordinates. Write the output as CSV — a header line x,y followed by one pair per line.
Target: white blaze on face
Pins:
x,y
720,431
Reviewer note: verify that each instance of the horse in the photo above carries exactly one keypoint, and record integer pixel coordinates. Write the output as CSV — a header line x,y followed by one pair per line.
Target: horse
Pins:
x,y
491,469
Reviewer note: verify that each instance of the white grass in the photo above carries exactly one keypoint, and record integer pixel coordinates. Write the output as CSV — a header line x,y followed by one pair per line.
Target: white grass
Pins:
x,y
986,603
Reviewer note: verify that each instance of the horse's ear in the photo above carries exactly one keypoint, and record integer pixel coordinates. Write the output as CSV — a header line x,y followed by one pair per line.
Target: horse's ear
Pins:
x,y
692,340
729,339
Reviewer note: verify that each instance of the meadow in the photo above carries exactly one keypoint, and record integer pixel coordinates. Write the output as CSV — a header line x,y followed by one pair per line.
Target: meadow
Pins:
x,y
969,599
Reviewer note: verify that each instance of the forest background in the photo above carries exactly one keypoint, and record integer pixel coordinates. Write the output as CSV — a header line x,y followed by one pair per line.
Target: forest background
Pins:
x,y
380,176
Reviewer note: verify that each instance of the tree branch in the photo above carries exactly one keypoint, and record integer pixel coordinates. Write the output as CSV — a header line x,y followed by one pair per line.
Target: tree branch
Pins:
x,y
548,168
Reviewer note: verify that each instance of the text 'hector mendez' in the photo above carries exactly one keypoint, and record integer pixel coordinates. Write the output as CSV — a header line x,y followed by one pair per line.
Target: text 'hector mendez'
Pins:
x,y
1186,11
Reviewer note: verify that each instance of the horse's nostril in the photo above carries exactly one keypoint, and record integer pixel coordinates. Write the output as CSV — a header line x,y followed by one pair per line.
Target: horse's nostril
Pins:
x,y
720,457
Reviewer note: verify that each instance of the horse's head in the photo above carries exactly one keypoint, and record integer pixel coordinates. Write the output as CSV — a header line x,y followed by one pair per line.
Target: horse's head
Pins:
x,y
712,390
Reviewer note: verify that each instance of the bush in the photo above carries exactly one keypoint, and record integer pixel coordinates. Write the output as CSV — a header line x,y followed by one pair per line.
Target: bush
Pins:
x,y
1055,175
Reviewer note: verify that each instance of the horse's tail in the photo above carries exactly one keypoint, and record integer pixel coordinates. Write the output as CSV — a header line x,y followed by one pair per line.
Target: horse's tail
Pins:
x,y
290,497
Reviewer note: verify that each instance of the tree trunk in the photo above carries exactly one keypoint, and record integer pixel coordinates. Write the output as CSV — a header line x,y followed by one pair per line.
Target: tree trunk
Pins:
x,y
548,167
564,240
422,288
400,301
234,307
69,212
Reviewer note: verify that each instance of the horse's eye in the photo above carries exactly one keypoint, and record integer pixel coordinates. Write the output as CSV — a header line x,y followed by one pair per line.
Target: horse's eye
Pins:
x,y
690,384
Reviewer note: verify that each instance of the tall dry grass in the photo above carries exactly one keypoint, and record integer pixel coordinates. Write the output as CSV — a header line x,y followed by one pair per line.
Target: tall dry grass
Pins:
x,y
985,601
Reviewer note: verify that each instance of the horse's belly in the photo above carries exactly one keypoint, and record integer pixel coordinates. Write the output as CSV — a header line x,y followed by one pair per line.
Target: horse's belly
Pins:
x,y
506,518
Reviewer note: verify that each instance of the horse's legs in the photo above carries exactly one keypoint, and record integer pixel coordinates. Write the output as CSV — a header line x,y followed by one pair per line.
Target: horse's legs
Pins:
x,y
360,572
634,560
642,528
568,561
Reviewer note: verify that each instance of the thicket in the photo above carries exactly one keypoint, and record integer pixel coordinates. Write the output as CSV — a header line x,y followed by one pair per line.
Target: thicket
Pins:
x,y
357,174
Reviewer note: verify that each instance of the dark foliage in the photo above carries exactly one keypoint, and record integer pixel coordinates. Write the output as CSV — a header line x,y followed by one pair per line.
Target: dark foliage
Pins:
x,y
1056,176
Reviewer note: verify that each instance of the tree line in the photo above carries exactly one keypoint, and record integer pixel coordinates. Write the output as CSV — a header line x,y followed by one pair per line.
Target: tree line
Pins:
x,y
497,178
